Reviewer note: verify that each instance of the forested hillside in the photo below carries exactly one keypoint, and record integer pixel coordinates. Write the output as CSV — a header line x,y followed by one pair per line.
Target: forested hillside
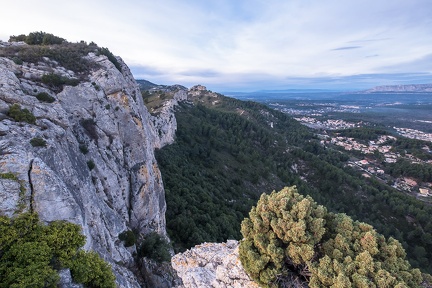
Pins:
x,y
228,152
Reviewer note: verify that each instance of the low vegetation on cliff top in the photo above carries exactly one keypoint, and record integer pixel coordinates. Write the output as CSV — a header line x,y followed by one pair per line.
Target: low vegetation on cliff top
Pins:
x,y
69,55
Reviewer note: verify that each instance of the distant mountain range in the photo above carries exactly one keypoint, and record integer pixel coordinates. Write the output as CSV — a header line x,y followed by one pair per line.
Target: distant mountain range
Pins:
x,y
411,88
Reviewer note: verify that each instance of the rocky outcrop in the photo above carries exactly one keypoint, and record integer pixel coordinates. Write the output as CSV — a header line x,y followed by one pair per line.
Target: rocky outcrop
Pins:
x,y
212,265
97,167
165,122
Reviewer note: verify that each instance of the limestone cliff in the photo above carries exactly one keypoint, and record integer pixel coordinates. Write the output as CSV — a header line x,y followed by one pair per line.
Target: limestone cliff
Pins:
x,y
165,122
94,165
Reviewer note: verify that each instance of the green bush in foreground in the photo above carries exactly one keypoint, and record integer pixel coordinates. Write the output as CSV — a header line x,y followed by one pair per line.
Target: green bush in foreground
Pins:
x,y
289,238
31,253
89,269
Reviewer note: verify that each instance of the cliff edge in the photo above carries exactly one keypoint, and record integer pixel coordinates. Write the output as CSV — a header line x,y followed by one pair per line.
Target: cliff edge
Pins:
x,y
86,156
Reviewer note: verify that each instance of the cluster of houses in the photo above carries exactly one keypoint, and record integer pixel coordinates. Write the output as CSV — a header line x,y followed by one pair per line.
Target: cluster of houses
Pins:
x,y
371,147
410,185
370,167
414,134
329,124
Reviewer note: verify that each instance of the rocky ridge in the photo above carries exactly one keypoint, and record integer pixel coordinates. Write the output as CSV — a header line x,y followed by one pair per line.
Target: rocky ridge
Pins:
x,y
96,167
165,122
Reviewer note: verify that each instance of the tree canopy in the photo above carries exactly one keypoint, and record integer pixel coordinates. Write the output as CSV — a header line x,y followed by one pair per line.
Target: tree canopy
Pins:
x,y
289,238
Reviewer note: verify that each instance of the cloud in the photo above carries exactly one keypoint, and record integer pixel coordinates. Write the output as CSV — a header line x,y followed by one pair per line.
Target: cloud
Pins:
x,y
368,40
422,63
346,48
146,70
205,73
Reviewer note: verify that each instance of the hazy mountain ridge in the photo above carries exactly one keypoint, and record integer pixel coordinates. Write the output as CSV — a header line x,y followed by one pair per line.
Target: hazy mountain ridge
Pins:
x,y
410,88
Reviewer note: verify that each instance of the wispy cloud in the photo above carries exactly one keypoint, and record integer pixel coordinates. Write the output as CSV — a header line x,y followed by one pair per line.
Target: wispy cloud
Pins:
x,y
369,40
346,48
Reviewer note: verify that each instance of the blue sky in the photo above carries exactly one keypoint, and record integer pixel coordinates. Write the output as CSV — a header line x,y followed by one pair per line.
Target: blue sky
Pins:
x,y
239,45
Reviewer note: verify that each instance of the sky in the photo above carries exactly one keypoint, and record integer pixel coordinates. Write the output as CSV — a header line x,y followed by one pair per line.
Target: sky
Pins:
x,y
246,45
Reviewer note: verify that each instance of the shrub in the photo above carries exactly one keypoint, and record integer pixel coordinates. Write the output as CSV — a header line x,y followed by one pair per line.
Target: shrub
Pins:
x,y
68,55
9,175
288,237
57,81
38,142
45,97
83,148
91,165
38,38
19,38
88,268
110,56
21,115
155,247
17,60
128,237
30,254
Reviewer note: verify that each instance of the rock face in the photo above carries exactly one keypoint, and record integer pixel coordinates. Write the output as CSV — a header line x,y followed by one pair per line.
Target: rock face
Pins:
x,y
165,122
212,265
97,168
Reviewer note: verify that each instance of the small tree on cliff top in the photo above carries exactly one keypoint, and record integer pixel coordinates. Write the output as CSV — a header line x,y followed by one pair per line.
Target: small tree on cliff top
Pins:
x,y
291,239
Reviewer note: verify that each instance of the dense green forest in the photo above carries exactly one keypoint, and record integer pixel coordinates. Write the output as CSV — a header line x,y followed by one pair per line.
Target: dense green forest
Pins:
x,y
228,152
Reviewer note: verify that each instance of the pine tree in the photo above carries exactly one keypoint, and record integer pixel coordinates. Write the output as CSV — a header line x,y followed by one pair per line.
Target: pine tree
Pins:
x,y
289,237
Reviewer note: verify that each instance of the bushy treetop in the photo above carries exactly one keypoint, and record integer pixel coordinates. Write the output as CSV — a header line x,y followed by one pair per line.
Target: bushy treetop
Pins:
x,y
38,38
289,238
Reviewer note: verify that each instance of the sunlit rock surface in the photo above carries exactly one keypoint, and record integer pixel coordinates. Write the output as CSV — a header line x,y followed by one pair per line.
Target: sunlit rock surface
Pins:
x,y
212,265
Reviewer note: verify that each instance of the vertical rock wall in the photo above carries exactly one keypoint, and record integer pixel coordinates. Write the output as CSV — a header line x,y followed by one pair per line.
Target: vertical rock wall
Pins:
x,y
97,169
